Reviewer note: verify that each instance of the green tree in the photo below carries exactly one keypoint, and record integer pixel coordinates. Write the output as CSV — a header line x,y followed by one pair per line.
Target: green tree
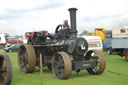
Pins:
x,y
84,33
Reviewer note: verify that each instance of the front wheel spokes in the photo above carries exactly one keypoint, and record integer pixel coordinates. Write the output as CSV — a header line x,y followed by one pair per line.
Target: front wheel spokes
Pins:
x,y
61,65
61,62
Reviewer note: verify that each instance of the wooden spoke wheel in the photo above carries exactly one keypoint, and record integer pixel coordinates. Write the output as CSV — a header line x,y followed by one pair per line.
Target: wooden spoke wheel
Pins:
x,y
26,58
5,70
61,65
100,62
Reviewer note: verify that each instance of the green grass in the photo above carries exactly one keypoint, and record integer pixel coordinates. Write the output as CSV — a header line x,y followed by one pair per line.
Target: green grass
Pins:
x,y
114,63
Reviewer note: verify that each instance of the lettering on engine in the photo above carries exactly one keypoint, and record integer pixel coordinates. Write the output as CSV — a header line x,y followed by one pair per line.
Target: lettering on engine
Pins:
x,y
86,65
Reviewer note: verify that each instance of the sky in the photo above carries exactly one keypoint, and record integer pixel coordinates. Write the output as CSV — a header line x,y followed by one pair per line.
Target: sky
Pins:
x,y
20,16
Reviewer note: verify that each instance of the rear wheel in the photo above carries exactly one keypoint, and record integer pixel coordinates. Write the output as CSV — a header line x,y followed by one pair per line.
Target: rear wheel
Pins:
x,y
109,52
10,50
100,64
5,70
26,58
126,55
61,65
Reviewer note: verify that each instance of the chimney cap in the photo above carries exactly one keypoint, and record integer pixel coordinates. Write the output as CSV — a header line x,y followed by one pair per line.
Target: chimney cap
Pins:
x,y
72,9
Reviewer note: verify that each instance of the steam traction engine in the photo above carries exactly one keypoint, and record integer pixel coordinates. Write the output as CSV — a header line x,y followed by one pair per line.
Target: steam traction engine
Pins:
x,y
62,52
5,70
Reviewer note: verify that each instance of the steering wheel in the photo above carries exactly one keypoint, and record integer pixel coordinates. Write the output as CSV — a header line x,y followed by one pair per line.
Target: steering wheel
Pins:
x,y
57,28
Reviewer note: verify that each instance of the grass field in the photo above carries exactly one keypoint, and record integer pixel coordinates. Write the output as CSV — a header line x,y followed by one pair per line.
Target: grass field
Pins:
x,y
116,73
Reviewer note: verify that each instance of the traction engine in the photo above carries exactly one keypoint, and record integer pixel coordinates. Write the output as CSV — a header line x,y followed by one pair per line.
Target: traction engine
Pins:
x,y
61,53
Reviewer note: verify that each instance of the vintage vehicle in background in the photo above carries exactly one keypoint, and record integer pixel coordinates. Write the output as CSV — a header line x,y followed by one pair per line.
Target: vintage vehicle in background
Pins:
x,y
2,40
14,40
12,47
28,34
107,45
94,42
120,41
108,34
62,52
5,70
6,39
100,32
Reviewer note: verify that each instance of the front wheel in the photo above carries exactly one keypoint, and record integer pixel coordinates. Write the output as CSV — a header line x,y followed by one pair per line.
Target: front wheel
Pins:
x,y
61,65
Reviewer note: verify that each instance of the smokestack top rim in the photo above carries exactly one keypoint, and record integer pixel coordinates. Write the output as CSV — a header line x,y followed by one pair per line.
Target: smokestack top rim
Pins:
x,y
72,9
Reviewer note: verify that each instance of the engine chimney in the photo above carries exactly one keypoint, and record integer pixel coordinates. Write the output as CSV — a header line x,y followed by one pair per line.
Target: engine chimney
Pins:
x,y
73,21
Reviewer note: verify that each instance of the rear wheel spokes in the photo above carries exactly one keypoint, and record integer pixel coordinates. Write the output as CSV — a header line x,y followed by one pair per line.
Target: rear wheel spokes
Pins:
x,y
94,57
96,68
23,60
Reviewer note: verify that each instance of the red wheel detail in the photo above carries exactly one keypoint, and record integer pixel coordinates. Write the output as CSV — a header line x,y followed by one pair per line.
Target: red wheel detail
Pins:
x,y
4,68
126,55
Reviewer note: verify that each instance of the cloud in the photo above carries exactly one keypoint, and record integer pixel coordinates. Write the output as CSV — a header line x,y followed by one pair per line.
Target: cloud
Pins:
x,y
7,16
49,5
18,13
21,16
107,22
98,18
